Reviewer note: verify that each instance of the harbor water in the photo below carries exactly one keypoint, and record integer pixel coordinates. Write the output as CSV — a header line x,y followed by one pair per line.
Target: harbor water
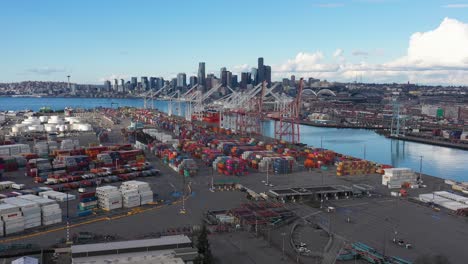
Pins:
x,y
444,162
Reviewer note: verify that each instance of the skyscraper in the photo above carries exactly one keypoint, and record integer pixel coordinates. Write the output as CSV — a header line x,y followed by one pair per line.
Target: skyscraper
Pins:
x,y
152,83
116,85
254,76
229,78
234,82
223,76
292,82
260,71
221,72
144,83
193,81
134,83
201,74
268,75
162,83
181,80
107,86
245,79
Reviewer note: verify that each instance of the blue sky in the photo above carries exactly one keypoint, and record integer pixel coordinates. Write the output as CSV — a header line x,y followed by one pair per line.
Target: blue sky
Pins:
x,y
94,40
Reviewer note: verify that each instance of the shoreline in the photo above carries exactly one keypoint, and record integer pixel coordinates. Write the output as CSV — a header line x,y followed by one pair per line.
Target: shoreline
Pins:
x,y
430,142
382,131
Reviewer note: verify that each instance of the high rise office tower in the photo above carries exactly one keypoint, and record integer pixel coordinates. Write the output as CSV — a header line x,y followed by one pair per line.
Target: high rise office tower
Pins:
x,y
193,81
254,76
228,78
260,70
134,83
267,74
285,82
161,83
122,83
245,79
144,83
234,82
223,76
107,86
128,87
116,85
201,74
173,83
292,82
221,72
152,83
181,80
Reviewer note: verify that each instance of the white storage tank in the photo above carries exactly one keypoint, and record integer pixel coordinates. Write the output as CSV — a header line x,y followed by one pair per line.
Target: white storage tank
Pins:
x,y
55,120
62,128
43,119
50,127
38,128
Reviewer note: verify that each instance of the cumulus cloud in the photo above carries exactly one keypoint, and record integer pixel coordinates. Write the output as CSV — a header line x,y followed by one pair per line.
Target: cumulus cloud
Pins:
x,y
307,62
338,53
437,56
241,68
456,6
360,53
45,70
114,76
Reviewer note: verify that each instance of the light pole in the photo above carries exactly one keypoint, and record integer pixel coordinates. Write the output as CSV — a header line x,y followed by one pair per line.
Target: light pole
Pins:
x,y
321,141
68,223
420,168
283,235
364,151
267,174
212,180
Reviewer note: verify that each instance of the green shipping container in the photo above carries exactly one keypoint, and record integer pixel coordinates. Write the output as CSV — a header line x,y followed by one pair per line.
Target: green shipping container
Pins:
x,y
440,113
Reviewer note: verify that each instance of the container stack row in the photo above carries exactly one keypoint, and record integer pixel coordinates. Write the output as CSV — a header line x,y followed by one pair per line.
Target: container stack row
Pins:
x,y
58,196
11,219
31,211
27,211
357,167
142,189
109,197
88,202
396,177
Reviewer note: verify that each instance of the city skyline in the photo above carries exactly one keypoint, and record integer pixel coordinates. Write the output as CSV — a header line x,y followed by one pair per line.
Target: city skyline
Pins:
x,y
421,42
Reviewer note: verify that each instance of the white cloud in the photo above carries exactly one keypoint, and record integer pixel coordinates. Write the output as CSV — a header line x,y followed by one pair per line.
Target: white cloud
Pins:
x,y
360,53
114,76
330,5
437,56
238,69
307,62
338,53
45,70
456,6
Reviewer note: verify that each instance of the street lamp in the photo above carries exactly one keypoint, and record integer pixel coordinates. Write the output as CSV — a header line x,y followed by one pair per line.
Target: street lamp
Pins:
x,y
212,180
68,223
283,235
420,168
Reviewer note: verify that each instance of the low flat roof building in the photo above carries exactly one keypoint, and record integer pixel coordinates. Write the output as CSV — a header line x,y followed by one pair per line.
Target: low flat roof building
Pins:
x,y
158,250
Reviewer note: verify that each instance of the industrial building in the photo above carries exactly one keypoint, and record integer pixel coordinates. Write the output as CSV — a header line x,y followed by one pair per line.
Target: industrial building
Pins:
x,y
167,249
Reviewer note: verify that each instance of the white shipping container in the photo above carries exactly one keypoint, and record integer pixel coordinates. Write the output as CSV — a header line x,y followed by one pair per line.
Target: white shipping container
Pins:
x,y
25,260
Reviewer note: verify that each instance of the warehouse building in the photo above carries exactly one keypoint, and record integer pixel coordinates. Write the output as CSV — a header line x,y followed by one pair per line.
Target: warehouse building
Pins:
x,y
168,249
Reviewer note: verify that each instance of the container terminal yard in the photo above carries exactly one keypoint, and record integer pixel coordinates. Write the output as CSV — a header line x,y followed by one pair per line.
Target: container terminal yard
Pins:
x,y
114,175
